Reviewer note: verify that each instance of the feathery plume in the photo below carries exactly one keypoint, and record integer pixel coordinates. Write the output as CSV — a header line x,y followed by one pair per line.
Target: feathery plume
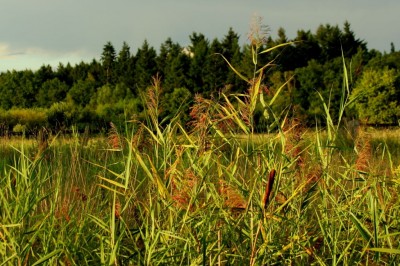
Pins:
x,y
363,146
113,137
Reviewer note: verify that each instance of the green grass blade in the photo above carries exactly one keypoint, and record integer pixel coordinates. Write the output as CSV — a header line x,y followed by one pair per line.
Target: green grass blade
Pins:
x,y
115,183
47,257
385,250
276,47
234,69
364,232
6,260
279,91
375,219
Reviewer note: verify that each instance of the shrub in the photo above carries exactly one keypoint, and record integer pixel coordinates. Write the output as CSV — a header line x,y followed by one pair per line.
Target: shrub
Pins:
x,y
60,115
18,128
30,119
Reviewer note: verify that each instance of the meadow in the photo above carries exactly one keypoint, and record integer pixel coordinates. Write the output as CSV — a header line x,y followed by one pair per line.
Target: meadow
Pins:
x,y
165,195
212,192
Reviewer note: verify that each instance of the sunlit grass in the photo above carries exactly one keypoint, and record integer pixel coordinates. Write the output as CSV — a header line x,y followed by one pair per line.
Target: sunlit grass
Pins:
x,y
209,193
170,196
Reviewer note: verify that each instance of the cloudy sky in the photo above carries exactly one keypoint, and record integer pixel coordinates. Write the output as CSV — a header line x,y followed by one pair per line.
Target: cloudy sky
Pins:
x,y
37,32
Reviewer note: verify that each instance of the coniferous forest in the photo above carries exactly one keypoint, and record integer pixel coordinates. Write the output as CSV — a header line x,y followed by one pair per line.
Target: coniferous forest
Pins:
x,y
90,95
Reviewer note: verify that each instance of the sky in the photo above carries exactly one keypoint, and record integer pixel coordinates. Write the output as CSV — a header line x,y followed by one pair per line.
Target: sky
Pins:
x,y
38,32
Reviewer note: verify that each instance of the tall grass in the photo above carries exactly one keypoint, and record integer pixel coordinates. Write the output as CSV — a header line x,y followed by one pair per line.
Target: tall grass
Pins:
x,y
198,194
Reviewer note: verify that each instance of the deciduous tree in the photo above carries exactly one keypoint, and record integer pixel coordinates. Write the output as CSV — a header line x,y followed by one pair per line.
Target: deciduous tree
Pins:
x,y
377,96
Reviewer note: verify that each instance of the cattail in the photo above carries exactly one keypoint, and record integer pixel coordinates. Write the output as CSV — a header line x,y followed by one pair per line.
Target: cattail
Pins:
x,y
268,188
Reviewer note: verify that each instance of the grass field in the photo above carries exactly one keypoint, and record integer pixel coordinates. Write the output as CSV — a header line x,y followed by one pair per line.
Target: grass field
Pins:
x,y
164,195
209,193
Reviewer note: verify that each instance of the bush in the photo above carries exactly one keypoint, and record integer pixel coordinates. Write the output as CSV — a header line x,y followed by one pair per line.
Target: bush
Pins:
x,y
60,115
18,128
118,112
4,128
30,119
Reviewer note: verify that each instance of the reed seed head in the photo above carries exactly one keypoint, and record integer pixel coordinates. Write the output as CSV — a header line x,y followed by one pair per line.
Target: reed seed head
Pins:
x,y
259,32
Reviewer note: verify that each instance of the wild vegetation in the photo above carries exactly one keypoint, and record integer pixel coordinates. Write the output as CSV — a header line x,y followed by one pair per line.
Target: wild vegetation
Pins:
x,y
93,94
210,192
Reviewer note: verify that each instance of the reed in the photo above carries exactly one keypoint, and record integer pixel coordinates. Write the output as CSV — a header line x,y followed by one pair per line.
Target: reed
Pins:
x,y
208,193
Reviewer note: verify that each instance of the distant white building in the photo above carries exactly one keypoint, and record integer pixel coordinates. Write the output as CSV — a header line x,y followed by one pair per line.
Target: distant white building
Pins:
x,y
186,51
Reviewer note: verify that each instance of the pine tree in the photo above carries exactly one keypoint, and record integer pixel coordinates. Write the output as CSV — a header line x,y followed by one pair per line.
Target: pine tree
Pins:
x,y
145,66
125,65
216,67
306,49
231,51
173,65
64,74
108,58
350,44
392,48
198,53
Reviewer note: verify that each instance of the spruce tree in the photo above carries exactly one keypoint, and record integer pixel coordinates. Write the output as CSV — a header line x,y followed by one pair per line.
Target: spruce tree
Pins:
x,y
216,67
108,58
231,51
198,53
124,66
173,65
145,66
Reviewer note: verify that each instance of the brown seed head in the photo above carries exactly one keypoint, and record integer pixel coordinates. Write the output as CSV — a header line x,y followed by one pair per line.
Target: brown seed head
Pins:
x,y
268,188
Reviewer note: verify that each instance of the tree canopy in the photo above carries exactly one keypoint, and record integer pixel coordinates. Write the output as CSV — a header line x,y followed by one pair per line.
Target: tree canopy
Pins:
x,y
99,92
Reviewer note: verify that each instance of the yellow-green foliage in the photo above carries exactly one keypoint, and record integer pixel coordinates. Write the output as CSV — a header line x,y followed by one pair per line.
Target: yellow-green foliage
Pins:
x,y
377,96
30,119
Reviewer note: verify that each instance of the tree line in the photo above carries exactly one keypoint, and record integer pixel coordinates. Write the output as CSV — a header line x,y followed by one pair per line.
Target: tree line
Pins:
x,y
93,94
